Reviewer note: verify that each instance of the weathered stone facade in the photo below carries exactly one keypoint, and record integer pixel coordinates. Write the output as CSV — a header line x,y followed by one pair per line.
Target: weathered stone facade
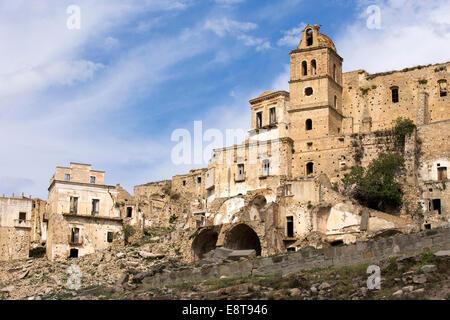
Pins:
x,y
82,212
15,225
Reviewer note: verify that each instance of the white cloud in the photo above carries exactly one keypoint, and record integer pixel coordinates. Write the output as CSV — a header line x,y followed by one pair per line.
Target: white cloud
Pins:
x,y
291,38
57,106
228,3
412,32
225,26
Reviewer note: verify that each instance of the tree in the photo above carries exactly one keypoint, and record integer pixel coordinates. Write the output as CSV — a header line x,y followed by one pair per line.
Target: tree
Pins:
x,y
377,187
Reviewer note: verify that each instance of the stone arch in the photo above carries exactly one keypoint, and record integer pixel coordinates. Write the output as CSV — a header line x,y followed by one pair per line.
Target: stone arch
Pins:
x,y
228,211
242,237
204,242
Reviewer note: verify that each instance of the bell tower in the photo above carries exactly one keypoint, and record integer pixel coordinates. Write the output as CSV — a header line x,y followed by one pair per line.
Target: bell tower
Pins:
x,y
315,86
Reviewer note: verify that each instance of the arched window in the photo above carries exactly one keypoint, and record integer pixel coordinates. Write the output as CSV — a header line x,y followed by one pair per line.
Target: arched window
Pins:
x,y
442,88
309,168
304,68
395,96
308,124
309,37
313,67
335,102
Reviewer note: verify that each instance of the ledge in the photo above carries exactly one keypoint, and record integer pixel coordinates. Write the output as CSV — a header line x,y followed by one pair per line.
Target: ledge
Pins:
x,y
71,215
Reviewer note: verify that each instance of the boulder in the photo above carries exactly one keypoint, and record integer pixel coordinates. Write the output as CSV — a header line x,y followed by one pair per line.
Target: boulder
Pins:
x,y
398,294
420,279
429,268
324,286
150,255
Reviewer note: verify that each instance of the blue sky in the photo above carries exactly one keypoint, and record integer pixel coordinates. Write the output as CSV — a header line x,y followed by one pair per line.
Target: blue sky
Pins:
x,y
111,93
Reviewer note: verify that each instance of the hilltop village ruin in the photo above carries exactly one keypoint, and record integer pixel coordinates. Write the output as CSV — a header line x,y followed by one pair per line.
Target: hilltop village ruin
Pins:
x,y
279,190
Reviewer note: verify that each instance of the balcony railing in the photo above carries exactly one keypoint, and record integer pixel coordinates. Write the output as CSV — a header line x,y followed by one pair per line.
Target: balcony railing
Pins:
x,y
75,241
19,223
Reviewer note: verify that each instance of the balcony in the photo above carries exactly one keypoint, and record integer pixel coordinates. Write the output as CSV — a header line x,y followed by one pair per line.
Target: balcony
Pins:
x,y
75,241
19,223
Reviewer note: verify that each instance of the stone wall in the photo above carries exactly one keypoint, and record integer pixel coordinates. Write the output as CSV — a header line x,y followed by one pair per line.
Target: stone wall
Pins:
x,y
371,251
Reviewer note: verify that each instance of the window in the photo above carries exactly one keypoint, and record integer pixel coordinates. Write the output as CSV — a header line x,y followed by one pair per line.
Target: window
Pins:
x,y
335,102
309,145
334,72
309,91
395,97
184,183
273,115
437,205
92,179
304,68
442,173
95,206
290,227
258,120
73,253
313,67
240,172
22,216
110,236
129,212
67,177
199,179
288,190
442,88
74,205
309,37
266,167
75,236
309,168
308,124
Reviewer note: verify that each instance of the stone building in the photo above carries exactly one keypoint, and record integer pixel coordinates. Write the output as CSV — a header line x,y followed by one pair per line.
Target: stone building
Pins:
x,y
274,192
15,226
82,212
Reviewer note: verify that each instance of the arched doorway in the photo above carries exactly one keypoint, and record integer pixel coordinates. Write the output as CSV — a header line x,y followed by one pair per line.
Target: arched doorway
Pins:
x,y
242,237
204,242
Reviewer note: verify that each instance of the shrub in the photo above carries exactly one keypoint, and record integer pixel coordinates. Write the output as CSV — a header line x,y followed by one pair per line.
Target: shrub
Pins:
x,y
377,187
128,231
402,128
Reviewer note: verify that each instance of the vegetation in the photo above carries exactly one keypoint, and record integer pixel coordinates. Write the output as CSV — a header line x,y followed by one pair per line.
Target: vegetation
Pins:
x,y
423,81
173,218
128,231
377,187
167,188
402,128
364,91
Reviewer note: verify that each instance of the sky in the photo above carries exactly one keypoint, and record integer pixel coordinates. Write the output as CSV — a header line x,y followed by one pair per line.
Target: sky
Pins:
x,y
112,92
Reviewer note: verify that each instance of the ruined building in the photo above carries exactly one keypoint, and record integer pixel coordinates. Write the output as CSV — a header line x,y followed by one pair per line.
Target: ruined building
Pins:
x,y
82,212
274,191
279,189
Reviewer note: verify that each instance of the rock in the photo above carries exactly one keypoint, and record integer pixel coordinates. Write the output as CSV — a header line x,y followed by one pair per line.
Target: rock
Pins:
x,y
120,255
155,239
56,279
420,279
150,255
408,289
25,274
223,277
313,289
295,292
398,294
7,289
324,286
443,253
429,268
419,291
124,277
363,291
